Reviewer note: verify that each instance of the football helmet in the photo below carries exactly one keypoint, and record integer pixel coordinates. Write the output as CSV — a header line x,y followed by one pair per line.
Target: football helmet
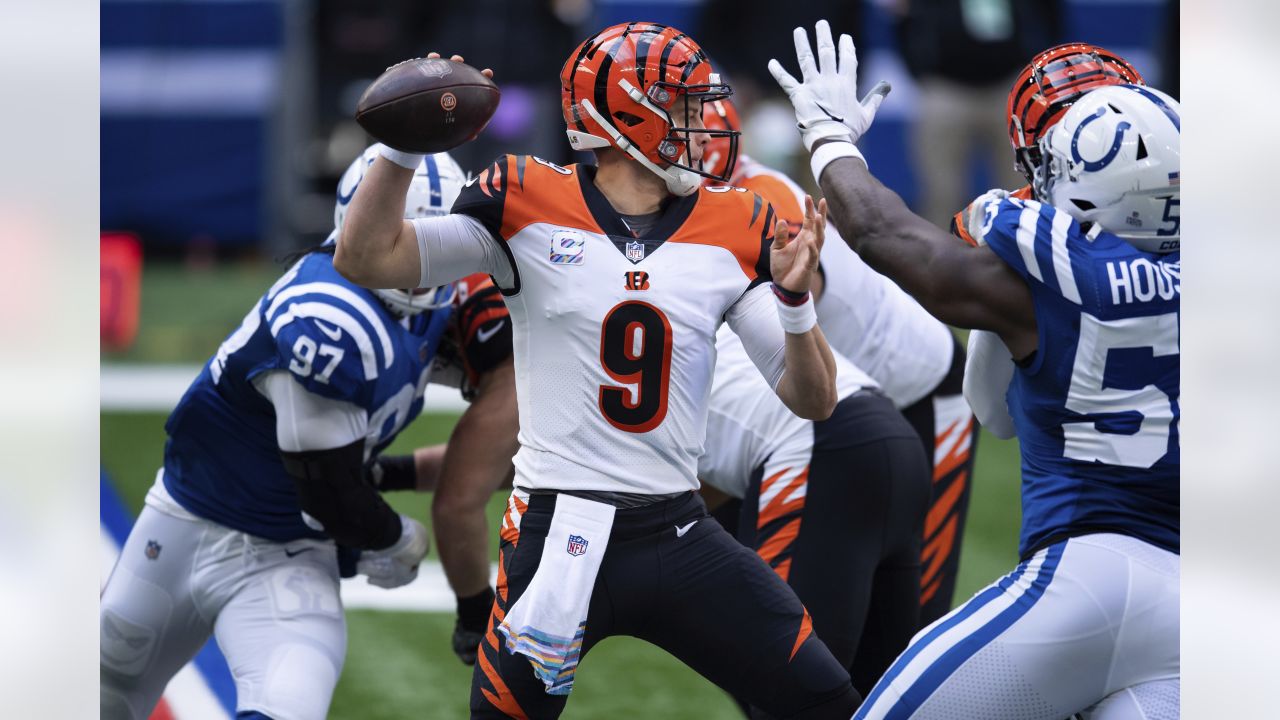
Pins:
x,y
1049,84
434,187
630,86
719,158
1113,160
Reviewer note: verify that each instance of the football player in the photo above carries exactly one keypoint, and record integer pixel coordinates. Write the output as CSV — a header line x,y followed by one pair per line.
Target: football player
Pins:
x,y
1045,88
914,358
836,507
1082,285
617,277
271,482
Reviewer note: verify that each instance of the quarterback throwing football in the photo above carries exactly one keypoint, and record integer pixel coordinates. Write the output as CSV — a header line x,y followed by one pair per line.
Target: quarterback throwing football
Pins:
x,y
617,278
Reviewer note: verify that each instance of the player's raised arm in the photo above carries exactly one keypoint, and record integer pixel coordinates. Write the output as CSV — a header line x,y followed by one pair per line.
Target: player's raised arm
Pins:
x,y
958,284
377,247
805,379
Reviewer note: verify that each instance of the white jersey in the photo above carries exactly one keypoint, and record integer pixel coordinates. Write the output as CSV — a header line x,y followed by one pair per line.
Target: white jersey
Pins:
x,y
614,336
864,315
749,427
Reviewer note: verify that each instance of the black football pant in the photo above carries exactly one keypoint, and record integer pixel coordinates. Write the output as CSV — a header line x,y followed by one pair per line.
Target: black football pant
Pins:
x,y
702,597
851,551
949,432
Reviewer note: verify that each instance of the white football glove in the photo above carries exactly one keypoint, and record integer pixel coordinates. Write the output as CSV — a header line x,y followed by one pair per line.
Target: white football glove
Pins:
x,y
397,565
826,100
975,215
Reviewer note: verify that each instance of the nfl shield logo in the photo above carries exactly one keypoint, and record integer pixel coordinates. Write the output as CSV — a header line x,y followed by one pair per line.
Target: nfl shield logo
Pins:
x,y
577,545
635,251
153,550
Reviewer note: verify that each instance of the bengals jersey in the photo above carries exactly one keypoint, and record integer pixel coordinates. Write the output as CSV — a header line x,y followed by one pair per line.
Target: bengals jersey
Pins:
x,y
864,315
614,334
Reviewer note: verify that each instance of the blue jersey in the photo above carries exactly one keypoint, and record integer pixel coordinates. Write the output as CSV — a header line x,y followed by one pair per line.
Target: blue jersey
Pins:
x,y
222,461
1096,409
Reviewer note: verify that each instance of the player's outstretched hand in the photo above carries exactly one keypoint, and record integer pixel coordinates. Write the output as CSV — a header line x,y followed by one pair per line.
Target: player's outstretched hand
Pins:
x,y
792,261
825,98
398,564
458,58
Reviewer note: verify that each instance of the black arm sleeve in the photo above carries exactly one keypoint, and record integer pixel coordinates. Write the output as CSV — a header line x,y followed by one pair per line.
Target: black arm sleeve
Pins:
x,y
332,489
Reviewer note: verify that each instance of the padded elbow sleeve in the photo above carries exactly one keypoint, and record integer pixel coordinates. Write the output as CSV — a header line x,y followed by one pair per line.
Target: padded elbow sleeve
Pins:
x,y
332,489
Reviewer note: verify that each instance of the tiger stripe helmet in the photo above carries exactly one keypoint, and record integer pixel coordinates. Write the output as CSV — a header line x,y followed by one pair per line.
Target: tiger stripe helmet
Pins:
x,y
629,86
1049,84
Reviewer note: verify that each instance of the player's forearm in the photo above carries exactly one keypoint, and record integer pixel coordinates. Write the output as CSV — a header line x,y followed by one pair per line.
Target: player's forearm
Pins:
x,y
476,463
808,385
368,251
873,220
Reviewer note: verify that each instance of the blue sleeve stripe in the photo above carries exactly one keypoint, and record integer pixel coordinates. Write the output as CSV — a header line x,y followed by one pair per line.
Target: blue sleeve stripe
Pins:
x,y
1062,270
1028,221
344,322
347,296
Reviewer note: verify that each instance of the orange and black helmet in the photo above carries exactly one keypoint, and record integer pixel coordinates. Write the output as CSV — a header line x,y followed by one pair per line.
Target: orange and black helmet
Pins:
x,y
1049,84
720,157
631,86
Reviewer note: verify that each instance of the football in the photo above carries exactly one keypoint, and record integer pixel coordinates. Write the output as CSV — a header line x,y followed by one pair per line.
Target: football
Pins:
x,y
427,105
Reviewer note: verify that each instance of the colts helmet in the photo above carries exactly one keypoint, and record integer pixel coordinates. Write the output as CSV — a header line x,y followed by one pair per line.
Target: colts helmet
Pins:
x,y
630,86
721,156
1113,160
1049,84
435,186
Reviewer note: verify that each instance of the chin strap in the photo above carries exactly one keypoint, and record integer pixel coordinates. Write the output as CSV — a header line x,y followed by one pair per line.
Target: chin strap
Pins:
x,y
679,181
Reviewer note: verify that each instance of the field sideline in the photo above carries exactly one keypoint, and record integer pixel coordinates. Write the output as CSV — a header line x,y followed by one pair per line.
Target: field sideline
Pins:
x,y
399,663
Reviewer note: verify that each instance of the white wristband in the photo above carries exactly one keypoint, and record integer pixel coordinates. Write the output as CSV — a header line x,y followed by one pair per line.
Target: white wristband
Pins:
x,y
408,161
797,319
829,152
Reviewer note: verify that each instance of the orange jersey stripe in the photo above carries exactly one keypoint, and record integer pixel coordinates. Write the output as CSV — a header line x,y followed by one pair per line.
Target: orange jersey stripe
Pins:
x,y
778,194
779,506
736,220
938,549
784,569
943,505
780,541
806,629
547,196
503,699
958,454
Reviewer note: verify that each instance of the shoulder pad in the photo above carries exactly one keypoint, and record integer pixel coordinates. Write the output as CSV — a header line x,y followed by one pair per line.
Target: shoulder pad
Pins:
x,y
332,339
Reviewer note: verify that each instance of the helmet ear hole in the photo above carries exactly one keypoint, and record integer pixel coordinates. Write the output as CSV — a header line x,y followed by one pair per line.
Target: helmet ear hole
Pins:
x,y
1142,148
627,118
1084,205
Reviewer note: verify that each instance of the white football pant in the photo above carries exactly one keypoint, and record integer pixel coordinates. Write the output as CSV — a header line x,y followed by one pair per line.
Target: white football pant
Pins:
x,y
274,608
1089,625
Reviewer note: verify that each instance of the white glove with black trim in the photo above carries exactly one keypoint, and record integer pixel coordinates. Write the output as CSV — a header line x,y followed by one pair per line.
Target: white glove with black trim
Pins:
x,y
975,215
826,100
397,565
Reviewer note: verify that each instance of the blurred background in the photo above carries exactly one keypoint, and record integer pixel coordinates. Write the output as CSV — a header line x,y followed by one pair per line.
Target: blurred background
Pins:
x,y
225,125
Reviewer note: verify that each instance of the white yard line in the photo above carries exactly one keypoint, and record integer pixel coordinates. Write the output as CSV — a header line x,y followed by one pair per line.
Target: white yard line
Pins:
x,y
157,388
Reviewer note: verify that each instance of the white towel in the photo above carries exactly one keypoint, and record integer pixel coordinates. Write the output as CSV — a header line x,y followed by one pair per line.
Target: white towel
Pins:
x,y
549,620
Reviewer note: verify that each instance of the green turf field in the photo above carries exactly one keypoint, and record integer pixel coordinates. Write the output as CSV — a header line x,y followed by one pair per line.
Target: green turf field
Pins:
x,y
399,664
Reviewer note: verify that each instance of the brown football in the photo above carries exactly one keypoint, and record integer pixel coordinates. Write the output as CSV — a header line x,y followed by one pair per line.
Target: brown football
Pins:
x,y
427,105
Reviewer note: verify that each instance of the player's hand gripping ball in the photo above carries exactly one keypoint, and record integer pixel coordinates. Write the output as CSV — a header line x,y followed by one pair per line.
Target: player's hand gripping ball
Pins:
x,y
428,105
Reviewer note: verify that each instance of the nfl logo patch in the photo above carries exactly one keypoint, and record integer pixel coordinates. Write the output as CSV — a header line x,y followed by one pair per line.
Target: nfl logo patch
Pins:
x,y
153,550
577,545
635,251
